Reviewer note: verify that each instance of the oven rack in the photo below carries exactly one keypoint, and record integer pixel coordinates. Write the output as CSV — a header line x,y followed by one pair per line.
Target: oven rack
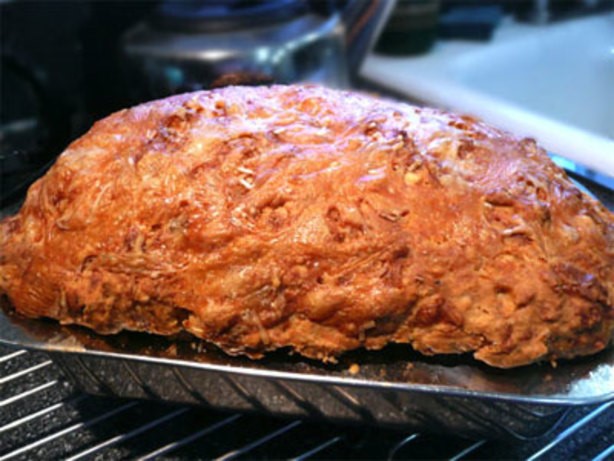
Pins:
x,y
43,416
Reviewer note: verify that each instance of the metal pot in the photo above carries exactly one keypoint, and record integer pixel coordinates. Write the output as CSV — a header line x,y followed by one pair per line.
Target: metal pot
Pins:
x,y
188,46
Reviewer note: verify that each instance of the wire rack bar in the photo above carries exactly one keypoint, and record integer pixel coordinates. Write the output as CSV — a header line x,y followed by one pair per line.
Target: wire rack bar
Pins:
x,y
12,355
39,413
27,393
67,430
19,374
128,435
570,430
605,454
394,450
471,448
188,439
256,443
317,449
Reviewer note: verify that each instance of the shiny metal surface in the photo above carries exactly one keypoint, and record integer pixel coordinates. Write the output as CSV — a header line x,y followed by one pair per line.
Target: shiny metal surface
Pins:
x,y
56,421
395,387
308,48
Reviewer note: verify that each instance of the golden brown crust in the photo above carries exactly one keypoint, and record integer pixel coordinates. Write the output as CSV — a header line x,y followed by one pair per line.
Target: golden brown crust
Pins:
x,y
258,218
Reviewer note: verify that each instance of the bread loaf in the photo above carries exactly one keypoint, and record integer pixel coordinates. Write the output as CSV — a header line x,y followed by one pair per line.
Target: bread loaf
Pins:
x,y
258,218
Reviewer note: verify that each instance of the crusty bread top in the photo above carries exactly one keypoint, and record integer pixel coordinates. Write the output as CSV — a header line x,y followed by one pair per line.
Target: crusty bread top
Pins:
x,y
263,217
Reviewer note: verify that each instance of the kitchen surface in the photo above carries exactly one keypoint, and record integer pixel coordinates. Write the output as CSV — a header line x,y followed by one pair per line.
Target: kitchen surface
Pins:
x,y
542,69
516,81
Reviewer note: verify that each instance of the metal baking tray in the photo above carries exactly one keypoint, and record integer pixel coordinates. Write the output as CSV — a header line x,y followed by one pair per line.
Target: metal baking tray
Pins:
x,y
394,387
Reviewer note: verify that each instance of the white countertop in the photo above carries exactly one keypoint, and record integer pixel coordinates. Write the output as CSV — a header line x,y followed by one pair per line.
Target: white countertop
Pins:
x,y
556,78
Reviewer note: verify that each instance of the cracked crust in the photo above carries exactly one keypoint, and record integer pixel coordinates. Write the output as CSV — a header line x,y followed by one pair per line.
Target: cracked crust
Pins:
x,y
259,218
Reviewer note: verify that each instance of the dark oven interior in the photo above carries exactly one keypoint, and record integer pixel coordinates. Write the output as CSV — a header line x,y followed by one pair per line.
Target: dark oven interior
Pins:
x,y
43,416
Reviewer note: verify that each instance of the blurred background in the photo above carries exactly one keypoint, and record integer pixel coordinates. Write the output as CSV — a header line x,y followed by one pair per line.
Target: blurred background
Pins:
x,y
66,64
